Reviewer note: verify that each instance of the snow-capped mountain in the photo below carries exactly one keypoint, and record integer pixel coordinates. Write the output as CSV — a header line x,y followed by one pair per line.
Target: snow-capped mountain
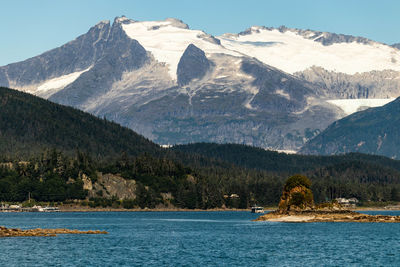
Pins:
x,y
273,88
293,50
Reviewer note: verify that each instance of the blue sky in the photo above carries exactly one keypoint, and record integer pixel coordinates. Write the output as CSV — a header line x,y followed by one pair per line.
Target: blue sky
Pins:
x,y
30,27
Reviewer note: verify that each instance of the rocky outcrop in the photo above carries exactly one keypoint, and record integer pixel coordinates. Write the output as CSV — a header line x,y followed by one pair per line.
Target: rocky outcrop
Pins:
x,y
297,205
87,183
192,65
327,216
296,195
13,232
110,185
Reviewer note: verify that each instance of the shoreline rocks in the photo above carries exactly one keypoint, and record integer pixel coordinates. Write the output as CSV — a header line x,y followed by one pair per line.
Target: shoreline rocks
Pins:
x,y
14,232
326,216
297,205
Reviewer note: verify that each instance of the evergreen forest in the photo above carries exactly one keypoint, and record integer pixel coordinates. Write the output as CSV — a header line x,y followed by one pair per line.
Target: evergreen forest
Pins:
x,y
46,151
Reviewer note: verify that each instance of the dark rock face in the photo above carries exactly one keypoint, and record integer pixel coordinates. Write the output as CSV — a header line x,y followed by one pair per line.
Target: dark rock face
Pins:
x,y
78,54
397,45
372,131
269,81
229,113
192,65
120,53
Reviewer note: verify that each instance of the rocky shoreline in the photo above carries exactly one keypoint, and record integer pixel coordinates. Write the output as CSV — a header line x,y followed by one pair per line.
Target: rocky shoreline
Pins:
x,y
326,216
14,232
297,205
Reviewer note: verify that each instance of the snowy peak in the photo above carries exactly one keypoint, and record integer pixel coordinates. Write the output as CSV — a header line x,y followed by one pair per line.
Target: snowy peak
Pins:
x,y
294,50
154,25
326,38
177,85
123,20
167,40
177,23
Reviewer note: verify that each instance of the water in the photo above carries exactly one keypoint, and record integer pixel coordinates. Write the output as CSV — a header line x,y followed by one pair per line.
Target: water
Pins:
x,y
197,239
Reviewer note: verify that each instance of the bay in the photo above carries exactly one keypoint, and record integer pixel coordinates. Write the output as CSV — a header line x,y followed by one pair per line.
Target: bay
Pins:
x,y
197,239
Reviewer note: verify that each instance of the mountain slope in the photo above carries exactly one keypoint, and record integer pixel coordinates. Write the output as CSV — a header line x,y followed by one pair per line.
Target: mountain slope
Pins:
x,y
29,124
373,131
266,87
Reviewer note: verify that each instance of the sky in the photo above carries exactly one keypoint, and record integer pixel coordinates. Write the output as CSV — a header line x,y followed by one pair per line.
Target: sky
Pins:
x,y
31,27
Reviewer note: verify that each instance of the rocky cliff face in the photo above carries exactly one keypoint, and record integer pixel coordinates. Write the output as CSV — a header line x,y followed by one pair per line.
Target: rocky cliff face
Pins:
x,y
109,185
192,65
78,54
337,85
120,54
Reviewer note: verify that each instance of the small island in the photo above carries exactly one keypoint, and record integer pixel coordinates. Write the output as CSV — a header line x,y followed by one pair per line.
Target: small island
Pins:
x,y
14,232
297,205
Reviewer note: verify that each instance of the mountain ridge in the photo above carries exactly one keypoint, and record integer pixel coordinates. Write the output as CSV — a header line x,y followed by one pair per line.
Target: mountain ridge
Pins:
x,y
326,38
127,71
373,131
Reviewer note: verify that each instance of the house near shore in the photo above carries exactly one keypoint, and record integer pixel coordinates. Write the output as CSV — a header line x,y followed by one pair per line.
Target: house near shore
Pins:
x,y
347,202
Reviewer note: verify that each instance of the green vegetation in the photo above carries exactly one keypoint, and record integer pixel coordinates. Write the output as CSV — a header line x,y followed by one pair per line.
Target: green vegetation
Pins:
x,y
296,194
29,125
49,177
46,149
374,130
272,161
297,180
365,177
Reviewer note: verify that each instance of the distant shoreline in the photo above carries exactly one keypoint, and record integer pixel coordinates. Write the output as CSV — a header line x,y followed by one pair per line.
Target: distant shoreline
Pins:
x,y
267,209
79,209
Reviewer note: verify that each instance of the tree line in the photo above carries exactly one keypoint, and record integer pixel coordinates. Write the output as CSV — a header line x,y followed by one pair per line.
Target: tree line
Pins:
x,y
193,181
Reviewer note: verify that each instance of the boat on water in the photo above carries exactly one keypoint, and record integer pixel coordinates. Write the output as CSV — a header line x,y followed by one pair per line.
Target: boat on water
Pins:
x,y
51,209
257,209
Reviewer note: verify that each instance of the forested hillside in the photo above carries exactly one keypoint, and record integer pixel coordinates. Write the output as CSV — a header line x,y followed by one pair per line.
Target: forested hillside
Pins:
x,y
48,150
272,161
374,131
29,124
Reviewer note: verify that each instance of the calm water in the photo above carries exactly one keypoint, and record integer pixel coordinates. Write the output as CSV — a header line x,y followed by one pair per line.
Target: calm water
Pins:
x,y
197,239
